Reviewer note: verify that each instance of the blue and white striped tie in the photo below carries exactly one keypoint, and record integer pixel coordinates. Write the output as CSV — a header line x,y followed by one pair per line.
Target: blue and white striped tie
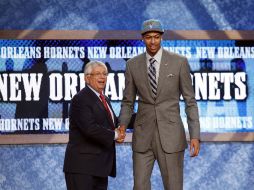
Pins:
x,y
152,76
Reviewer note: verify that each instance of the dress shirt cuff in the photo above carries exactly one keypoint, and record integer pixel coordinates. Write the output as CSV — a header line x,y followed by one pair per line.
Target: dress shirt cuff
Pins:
x,y
116,135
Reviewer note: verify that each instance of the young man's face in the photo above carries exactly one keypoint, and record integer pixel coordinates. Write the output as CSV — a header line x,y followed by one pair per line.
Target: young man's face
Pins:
x,y
152,41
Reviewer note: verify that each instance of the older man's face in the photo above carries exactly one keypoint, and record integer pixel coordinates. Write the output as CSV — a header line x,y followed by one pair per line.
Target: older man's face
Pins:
x,y
152,41
97,78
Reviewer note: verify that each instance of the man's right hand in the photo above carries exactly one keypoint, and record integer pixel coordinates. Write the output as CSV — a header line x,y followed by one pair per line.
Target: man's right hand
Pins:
x,y
121,135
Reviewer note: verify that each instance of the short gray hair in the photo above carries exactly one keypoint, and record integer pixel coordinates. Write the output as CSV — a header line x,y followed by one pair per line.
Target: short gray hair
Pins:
x,y
91,65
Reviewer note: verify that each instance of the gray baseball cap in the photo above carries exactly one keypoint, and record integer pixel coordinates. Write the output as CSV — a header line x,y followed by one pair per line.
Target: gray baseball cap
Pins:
x,y
152,25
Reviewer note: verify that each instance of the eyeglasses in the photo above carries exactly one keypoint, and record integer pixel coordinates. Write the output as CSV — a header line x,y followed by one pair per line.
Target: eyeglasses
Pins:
x,y
99,74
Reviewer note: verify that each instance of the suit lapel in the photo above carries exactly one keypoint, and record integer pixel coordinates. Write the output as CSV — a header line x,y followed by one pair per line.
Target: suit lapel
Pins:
x,y
107,99
96,99
99,103
144,74
163,71
104,109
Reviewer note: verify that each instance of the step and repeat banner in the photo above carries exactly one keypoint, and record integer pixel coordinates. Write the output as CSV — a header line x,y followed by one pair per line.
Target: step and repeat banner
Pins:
x,y
38,78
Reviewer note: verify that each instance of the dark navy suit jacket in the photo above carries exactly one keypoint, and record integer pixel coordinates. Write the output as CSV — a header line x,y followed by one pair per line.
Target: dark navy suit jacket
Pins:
x,y
91,146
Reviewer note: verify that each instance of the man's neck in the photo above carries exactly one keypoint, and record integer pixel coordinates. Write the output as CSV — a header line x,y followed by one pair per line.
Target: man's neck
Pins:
x,y
153,54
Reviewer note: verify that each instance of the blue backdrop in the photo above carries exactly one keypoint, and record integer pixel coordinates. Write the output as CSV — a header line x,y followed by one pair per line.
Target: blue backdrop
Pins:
x,y
220,165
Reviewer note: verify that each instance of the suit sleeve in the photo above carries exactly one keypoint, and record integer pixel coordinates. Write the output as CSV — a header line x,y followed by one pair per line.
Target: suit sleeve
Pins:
x,y
129,96
191,108
83,117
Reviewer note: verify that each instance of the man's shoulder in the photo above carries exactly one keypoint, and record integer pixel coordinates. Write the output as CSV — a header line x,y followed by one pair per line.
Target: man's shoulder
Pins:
x,y
137,58
81,94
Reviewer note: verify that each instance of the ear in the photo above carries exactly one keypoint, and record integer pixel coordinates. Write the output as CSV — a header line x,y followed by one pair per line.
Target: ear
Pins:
x,y
87,78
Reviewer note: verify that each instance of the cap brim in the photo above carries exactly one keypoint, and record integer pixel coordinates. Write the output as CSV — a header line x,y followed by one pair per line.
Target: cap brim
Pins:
x,y
152,30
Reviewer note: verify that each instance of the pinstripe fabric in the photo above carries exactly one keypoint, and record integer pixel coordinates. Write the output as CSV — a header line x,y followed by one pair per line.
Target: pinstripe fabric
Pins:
x,y
152,76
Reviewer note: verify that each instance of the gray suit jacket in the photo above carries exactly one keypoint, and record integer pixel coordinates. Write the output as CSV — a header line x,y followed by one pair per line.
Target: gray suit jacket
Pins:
x,y
164,112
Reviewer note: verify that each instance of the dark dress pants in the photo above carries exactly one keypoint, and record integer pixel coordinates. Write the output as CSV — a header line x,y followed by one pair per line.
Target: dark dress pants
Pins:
x,y
85,182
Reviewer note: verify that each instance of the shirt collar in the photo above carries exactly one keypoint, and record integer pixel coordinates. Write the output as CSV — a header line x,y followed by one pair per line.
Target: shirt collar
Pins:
x,y
97,94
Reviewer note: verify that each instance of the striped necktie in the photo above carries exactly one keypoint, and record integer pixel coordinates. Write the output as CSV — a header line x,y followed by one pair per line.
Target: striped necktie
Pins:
x,y
152,76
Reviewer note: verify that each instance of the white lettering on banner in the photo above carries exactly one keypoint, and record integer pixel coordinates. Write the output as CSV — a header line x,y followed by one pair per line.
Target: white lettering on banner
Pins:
x,y
227,79
125,52
56,86
205,52
32,84
64,52
110,88
52,124
200,86
11,86
121,85
82,83
214,91
15,92
217,123
217,86
240,92
97,52
100,52
214,123
70,87
62,87
70,81
24,124
3,87
20,52
235,52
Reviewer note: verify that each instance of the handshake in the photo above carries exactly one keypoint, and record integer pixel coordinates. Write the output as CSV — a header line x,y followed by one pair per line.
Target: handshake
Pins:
x,y
120,134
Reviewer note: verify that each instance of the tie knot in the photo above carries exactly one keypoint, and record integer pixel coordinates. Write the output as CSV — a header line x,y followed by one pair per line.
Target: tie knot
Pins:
x,y
152,60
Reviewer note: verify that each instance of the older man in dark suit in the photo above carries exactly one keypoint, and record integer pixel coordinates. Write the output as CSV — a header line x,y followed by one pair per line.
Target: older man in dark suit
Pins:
x,y
159,78
90,154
